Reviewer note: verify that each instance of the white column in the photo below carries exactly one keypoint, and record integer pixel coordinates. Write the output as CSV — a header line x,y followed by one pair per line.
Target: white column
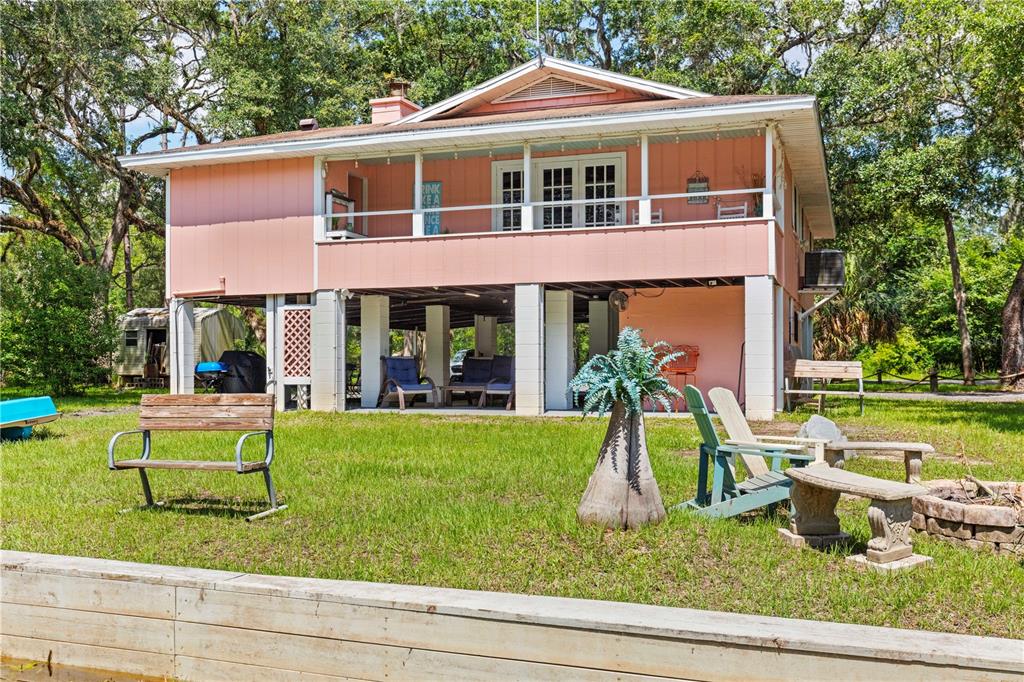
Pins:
x,y
768,205
375,335
559,365
485,328
599,315
319,201
417,196
439,349
781,340
645,202
759,351
327,359
529,323
274,351
167,236
527,212
182,351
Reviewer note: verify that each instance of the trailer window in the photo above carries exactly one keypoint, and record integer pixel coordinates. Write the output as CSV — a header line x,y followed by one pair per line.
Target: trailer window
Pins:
x,y
131,338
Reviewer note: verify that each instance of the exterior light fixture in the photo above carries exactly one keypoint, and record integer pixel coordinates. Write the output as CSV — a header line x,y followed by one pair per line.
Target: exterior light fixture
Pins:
x,y
389,159
471,294
357,163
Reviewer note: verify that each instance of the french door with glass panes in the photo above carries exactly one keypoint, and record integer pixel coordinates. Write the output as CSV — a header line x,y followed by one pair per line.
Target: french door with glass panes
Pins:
x,y
559,181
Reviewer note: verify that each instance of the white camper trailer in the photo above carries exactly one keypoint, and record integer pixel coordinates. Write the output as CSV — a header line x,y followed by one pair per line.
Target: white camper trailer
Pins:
x,y
142,357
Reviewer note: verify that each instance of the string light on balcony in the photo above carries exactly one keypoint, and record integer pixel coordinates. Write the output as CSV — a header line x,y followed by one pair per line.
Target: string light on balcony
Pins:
x,y
600,142
389,159
357,162
718,133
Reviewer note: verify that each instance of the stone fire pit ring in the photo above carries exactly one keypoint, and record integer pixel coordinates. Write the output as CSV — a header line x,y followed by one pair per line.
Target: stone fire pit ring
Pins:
x,y
951,513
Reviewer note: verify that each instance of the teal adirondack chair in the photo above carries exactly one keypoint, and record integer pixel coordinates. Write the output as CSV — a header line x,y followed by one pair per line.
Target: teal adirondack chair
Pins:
x,y
726,497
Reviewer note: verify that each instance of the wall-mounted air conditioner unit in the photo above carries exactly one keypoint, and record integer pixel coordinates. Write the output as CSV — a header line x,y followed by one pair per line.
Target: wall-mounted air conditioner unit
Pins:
x,y
824,269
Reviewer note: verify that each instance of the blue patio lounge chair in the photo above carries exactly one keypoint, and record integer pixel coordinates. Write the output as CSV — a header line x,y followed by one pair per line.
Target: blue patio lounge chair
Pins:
x,y
17,417
726,496
502,381
402,379
476,372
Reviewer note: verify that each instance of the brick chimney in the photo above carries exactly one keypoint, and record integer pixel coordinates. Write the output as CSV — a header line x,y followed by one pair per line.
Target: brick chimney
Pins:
x,y
388,109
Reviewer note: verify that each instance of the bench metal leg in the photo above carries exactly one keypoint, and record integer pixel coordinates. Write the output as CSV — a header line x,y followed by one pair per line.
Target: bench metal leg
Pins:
x,y
145,487
272,494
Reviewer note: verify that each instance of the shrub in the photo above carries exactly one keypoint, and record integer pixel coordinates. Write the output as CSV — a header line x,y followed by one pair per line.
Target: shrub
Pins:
x,y
905,354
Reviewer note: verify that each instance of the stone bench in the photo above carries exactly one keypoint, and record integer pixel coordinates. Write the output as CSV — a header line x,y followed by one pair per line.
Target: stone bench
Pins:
x,y
816,491
913,454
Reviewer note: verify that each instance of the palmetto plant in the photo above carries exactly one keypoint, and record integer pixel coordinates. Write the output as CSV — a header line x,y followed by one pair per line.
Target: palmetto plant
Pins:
x,y
629,375
622,491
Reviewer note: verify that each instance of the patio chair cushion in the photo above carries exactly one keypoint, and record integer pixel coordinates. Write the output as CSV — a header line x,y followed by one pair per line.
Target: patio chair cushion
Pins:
x,y
503,368
403,372
475,371
497,386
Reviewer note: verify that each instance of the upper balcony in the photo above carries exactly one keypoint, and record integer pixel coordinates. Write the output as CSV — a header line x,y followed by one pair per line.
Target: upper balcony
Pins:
x,y
620,209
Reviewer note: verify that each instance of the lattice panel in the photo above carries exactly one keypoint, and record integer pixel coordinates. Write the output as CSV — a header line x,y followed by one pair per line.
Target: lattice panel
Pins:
x,y
297,327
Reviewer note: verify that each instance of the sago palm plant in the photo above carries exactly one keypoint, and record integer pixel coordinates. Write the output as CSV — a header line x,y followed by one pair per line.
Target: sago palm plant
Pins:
x,y
622,491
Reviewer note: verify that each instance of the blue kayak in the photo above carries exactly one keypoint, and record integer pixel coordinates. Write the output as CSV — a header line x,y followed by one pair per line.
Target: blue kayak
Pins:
x,y
17,417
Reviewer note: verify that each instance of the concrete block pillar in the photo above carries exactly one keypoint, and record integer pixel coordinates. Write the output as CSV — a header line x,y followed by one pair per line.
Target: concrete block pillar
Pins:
x,y
559,363
759,355
375,339
485,329
604,327
781,340
529,327
437,363
182,351
327,358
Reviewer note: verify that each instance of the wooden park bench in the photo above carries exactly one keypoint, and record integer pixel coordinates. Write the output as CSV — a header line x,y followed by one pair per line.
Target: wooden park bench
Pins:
x,y
249,412
823,371
816,491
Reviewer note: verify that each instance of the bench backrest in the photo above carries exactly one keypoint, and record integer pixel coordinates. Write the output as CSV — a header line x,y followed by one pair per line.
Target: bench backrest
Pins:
x,y
207,412
825,369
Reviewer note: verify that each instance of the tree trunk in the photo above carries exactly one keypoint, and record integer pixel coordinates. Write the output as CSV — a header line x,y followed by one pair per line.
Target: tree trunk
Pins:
x,y
622,492
1013,335
129,279
960,298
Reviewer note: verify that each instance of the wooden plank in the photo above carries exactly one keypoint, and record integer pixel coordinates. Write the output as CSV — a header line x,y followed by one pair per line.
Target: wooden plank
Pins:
x,y
88,594
145,664
192,465
214,411
206,424
370,661
107,569
848,394
208,399
89,627
208,670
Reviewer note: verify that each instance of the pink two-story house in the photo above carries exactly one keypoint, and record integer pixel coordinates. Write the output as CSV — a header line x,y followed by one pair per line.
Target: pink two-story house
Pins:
x,y
529,199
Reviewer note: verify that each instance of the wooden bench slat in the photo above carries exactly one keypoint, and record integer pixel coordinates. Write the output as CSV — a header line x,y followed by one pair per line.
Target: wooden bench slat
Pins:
x,y
265,399
205,424
823,392
196,465
212,411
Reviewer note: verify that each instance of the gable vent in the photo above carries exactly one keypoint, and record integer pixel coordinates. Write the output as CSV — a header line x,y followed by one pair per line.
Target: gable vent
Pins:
x,y
553,86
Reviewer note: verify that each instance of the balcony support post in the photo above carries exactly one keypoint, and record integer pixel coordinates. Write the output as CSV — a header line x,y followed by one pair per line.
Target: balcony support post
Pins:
x,y
559,366
438,351
485,329
417,196
529,323
328,378
375,332
182,351
767,205
759,338
645,201
526,215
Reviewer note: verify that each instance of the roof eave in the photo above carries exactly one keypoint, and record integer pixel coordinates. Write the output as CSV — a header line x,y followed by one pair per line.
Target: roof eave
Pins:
x,y
159,164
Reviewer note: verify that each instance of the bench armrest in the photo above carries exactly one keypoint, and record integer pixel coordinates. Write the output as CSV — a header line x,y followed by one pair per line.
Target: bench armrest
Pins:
x,y
764,451
117,437
794,439
428,380
269,448
758,445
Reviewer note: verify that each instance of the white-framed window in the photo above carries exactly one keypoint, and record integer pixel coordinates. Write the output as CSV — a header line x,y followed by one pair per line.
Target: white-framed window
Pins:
x,y
131,338
562,178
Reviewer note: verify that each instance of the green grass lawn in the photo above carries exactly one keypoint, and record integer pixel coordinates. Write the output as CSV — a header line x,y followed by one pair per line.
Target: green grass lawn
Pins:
x,y
489,503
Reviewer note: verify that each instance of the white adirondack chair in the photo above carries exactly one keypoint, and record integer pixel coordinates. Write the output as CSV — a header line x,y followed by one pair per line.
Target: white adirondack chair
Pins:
x,y
736,426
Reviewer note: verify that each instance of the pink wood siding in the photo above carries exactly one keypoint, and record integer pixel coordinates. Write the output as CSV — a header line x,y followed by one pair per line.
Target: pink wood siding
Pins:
x,y
730,250
251,223
711,319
